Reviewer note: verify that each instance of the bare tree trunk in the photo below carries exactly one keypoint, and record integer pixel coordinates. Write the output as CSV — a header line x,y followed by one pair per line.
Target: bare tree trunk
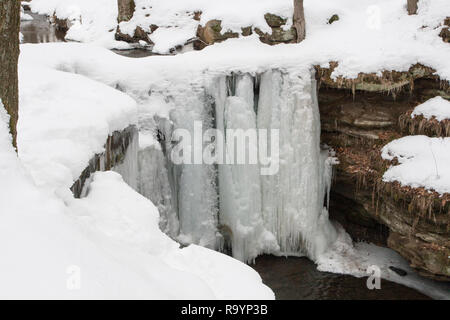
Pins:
x,y
126,10
9,55
412,6
299,20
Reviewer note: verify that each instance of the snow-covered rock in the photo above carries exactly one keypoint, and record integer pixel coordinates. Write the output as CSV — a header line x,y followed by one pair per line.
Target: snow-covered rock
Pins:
x,y
423,162
436,107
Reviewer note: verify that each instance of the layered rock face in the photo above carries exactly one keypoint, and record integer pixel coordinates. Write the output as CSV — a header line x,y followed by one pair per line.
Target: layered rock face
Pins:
x,y
118,147
360,117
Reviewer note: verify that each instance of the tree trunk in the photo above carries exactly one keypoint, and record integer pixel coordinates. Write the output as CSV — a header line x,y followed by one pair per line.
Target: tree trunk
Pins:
x,y
412,6
126,10
299,20
9,55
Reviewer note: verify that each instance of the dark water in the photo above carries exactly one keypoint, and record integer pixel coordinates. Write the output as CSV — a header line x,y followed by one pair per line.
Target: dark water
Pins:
x,y
298,279
142,53
290,278
40,30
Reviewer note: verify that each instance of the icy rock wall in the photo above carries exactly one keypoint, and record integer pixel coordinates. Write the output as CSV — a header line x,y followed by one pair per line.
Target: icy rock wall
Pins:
x,y
186,193
234,206
120,155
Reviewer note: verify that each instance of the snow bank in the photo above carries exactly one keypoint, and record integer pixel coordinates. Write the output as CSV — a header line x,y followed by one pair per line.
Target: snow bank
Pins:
x,y
370,36
176,22
116,211
423,162
107,245
64,121
436,107
41,246
89,21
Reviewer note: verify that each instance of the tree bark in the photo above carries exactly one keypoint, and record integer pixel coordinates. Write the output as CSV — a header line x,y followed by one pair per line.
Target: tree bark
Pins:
x,y
412,6
299,20
9,56
126,10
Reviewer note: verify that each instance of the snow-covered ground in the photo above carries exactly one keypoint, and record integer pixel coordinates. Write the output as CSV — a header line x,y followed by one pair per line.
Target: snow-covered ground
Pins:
x,y
69,105
436,107
166,76
107,245
370,36
89,21
423,162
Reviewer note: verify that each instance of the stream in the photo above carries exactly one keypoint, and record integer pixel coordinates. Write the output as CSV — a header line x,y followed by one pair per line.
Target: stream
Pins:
x,y
290,278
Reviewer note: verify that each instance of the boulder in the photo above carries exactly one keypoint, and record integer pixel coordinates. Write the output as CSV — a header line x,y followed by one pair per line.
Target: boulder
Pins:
x,y
212,33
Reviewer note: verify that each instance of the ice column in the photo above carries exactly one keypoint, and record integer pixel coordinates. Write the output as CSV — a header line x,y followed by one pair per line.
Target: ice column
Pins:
x,y
293,200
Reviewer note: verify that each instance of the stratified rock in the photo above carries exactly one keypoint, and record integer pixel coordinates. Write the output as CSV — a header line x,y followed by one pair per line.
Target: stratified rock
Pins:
x,y
116,147
357,124
432,260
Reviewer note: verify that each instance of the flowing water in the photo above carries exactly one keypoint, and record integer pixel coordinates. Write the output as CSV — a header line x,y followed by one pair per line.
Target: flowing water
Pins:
x,y
298,279
281,205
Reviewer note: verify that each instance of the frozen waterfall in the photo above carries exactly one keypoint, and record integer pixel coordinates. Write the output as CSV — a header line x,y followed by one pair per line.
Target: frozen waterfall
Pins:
x,y
235,207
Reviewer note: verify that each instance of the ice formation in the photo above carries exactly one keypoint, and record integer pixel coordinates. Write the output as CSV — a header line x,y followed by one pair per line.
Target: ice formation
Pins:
x,y
233,206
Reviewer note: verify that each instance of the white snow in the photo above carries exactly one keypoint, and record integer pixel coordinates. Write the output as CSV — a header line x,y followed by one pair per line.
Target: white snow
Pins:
x,y
115,210
358,259
89,21
108,244
105,246
423,162
166,39
436,107
176,23
64,121
370,36
176,93
172,92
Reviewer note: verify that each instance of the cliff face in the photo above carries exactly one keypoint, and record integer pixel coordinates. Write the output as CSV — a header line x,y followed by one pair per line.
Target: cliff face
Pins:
x,y
358,119
116,147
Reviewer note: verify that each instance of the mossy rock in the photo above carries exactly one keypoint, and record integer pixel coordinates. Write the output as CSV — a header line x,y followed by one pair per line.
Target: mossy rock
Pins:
x,y
274,21
212,33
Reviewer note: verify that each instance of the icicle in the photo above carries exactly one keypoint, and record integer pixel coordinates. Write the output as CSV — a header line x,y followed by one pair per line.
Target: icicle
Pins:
x,y
282,213
129,167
